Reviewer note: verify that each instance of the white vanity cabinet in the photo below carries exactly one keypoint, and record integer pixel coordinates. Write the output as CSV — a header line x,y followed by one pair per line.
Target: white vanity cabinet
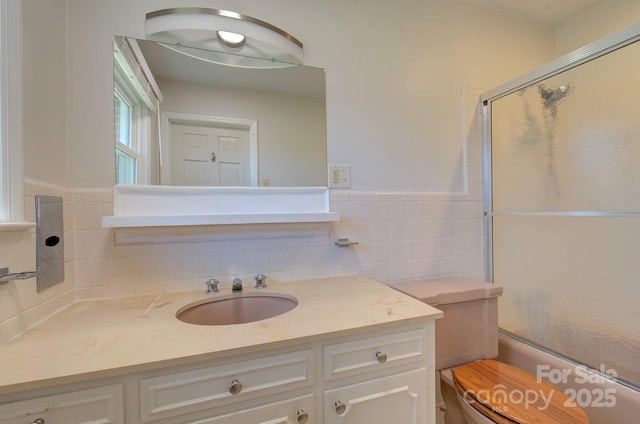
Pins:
x,y
373,377
380,377
102,405
353,351
399,395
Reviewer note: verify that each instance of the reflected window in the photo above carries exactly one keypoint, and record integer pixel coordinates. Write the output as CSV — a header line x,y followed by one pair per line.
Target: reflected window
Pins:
x,y
136,100
123,120
132,126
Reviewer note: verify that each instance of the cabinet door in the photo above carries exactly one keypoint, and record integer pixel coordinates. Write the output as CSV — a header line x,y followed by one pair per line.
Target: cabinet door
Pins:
x,y
400,399
102,405
291,411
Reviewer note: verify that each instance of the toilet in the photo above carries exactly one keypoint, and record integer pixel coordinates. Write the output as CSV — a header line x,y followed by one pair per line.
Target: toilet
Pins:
x,y
477,389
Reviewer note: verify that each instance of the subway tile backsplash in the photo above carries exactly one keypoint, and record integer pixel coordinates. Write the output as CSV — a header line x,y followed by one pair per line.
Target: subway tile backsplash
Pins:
x,y
401,237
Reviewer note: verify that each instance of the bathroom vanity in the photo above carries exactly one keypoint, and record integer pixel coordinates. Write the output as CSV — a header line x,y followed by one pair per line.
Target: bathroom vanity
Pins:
x,y
352,351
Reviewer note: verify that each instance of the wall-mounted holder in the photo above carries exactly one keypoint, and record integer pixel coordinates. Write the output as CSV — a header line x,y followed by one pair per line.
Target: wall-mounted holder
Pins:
x,y
49,246
6,276
49,241
345,242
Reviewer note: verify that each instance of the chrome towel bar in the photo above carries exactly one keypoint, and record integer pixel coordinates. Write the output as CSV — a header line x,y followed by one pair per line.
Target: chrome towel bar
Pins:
x,y
6,276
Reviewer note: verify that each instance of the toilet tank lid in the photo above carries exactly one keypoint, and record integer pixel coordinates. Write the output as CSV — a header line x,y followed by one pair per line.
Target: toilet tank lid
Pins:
x,y
449,290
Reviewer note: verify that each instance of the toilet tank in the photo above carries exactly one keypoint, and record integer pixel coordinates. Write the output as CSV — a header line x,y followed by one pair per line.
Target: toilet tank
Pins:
x,y
469,329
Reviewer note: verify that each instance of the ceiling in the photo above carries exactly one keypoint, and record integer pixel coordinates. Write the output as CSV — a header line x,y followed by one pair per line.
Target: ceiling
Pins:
x,y
546,12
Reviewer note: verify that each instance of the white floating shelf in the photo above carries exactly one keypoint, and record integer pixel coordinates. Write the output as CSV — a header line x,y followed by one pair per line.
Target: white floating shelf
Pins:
x,y
166,206
15,226
216,219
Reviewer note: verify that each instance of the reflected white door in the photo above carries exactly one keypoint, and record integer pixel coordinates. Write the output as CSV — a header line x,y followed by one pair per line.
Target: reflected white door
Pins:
x,y
204,155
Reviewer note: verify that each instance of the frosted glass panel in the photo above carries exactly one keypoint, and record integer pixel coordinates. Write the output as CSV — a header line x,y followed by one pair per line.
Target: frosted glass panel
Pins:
x,y
567,145
572,284
572,142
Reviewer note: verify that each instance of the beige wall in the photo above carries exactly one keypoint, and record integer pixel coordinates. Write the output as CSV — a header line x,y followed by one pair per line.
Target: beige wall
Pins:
x,y
606,17
45,90
45,160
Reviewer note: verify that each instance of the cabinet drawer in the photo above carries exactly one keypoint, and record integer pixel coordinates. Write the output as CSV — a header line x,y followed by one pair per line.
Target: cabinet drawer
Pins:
x,y
285,412
100,405
354,357
184,392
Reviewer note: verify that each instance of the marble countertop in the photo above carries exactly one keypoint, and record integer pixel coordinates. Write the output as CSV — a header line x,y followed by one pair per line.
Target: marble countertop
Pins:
x,y
109,337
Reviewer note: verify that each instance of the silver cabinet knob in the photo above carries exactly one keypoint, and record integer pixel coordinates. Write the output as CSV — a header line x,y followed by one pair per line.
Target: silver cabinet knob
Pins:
x,y
235,387
382,357
340,407
303,417
38,421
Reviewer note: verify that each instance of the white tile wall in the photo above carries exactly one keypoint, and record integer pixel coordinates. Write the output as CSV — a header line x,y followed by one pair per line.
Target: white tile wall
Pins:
x,y
401,237
411,236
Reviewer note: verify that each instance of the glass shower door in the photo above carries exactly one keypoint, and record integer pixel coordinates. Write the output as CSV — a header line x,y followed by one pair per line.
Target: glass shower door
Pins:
x,y
565,183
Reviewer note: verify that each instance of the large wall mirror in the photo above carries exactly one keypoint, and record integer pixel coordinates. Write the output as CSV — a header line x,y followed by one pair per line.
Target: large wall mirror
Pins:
x,y
183,119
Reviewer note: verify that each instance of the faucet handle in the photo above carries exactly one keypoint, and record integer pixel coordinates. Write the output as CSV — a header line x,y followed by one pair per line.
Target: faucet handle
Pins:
x,y
261,281
212,286
237,285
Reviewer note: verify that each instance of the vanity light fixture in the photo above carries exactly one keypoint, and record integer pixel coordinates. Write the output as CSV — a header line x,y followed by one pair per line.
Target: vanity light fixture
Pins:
x,y
243,36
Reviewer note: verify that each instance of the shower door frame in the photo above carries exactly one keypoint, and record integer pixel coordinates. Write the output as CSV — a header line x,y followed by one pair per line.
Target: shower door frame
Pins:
x,y
615,41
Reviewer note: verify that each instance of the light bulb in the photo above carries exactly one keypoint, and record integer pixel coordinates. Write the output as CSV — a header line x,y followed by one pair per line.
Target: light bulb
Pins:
x,y
231,39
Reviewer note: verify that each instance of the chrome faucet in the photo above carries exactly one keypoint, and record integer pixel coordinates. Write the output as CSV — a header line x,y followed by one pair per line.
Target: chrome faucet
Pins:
x,y
212,286
261,281
237,285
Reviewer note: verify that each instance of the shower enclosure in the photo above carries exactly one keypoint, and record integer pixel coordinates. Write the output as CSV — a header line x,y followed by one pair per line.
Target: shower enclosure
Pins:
x,y
562,205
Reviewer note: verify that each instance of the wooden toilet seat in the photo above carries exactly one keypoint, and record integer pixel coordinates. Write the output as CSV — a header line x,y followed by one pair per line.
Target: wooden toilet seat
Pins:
x,y
506,395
